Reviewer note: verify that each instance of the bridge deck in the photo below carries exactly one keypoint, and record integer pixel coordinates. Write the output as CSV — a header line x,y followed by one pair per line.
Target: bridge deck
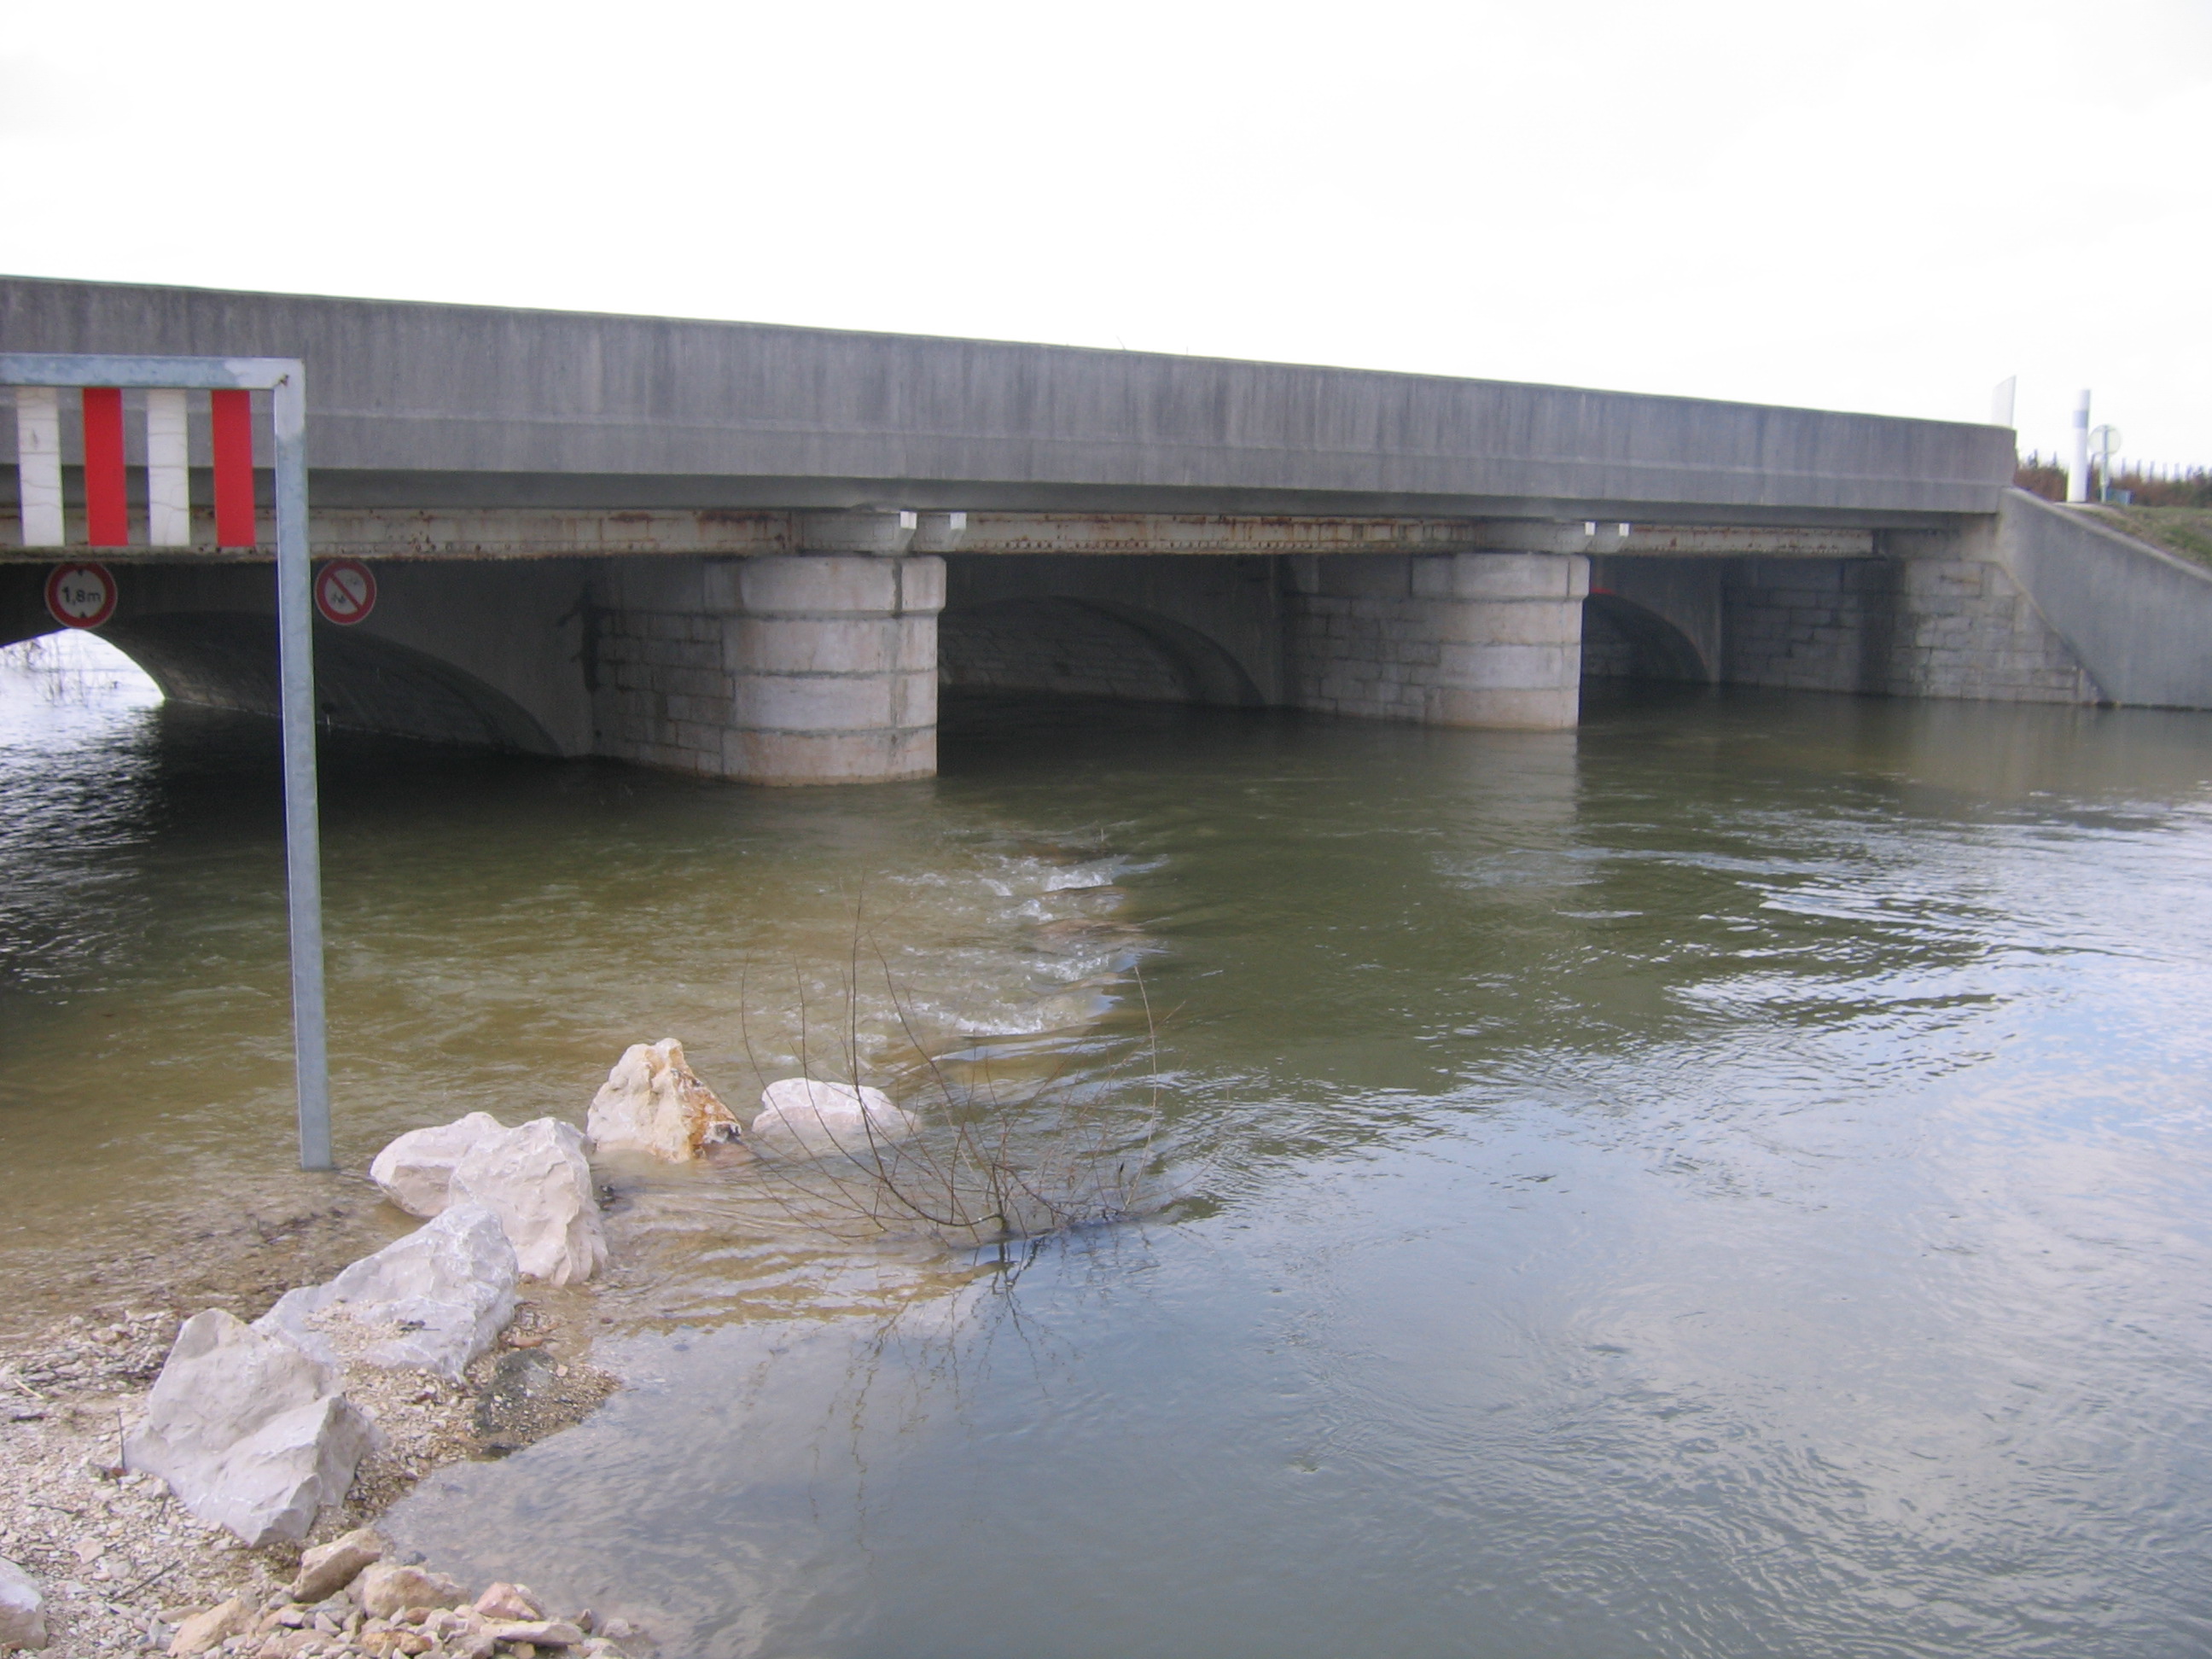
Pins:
x,y
424,406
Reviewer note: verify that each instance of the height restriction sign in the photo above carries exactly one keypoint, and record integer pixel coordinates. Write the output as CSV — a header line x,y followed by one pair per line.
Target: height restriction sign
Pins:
x,y
345,592
81,595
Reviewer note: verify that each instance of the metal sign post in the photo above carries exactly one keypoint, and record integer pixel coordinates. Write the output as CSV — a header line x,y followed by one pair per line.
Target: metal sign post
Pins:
x,y
285,378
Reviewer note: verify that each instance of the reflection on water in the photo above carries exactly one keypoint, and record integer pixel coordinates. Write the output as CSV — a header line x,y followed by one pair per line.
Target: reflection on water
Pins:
x,y
1731,1181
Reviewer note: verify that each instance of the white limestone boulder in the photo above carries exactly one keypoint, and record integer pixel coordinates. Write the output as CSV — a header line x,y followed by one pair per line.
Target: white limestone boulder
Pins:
x,y
23,1609
652,1101
810,1118
249,1430
415,1169
535,1179
435,1299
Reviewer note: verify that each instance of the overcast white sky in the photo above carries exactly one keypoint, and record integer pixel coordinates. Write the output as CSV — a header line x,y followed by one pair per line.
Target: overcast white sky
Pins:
x,y
1887,206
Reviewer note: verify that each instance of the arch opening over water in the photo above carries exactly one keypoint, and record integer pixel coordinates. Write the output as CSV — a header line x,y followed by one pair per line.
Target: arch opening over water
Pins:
x,y
1625,641
1086,648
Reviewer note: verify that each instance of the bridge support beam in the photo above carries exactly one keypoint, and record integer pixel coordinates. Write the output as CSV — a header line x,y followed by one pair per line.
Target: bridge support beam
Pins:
x,y
1452,639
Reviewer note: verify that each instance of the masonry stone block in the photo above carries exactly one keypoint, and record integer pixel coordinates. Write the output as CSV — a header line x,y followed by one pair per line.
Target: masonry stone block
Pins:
x,y
1528,622
921,584
812,644
1529,667
793,702
1501,576
815,585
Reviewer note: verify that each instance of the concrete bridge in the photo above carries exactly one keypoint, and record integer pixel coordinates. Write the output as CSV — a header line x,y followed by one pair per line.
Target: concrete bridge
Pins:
x,y
756,552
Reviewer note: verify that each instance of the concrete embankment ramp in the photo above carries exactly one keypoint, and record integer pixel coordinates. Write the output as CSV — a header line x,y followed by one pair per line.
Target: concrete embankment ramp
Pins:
x,y
2139,619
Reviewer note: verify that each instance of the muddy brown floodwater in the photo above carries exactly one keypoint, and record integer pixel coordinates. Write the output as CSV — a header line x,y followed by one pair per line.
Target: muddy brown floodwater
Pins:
x,y
1736,1179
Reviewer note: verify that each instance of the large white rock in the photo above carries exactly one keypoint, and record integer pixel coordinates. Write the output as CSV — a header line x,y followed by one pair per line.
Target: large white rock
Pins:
x,y
436,1298
249,1430
813,1120
535,1179
23,1609
415,1169
652,1101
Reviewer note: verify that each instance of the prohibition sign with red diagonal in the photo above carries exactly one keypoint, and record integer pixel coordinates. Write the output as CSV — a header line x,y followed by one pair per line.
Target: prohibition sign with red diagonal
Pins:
x,y
345,592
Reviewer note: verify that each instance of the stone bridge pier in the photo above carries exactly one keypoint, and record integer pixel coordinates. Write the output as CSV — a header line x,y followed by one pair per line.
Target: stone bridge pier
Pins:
x,y
815,667
1489,639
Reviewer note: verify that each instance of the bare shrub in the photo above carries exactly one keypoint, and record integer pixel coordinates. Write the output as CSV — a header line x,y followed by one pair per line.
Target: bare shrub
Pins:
x,y
990,1157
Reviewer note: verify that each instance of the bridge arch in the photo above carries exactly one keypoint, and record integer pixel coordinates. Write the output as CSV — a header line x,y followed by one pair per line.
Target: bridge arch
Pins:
x,y
227,660
1086,648
1622,640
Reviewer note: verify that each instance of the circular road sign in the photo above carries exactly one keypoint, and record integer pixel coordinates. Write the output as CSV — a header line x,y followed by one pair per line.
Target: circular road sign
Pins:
x,y
345,592
81,595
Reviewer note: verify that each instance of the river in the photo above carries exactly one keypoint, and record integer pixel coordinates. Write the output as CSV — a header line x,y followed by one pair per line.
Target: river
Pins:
x,y
1734,1180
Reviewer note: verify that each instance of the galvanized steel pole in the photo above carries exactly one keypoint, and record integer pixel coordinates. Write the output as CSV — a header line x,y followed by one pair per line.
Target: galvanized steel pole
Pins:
x,y
303,857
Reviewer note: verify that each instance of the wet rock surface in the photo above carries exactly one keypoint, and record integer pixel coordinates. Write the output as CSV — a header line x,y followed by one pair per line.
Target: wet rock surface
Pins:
x,y
530,1395
806,1117
654,1103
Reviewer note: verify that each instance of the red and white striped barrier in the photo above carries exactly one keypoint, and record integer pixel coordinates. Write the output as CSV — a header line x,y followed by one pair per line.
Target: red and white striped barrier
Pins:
x,y
168,467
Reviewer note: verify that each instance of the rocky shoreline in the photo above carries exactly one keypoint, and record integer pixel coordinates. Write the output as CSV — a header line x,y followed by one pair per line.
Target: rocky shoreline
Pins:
x,y
121,1567
194,1483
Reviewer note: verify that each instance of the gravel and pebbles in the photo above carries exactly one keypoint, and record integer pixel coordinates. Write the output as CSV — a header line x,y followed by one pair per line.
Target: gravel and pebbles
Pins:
x,y
124,1569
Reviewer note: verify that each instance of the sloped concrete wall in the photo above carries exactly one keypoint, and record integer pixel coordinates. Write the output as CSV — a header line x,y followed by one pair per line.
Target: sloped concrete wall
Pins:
x,y
2138,619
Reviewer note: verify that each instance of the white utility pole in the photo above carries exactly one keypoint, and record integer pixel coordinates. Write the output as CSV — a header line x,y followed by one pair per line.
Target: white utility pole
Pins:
x,y
2077,474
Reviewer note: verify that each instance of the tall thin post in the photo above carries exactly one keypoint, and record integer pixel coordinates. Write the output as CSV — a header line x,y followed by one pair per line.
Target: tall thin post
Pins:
x,y
2077,471
303,864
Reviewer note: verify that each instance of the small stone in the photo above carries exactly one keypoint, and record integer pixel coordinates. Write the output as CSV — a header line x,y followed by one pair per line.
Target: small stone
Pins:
x,y
540,1632
23,1609
329,1568
387,1587
511,1602
205,1631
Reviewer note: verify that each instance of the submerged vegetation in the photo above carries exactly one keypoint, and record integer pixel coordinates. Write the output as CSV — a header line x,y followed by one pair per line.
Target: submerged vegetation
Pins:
x,y
999,1141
